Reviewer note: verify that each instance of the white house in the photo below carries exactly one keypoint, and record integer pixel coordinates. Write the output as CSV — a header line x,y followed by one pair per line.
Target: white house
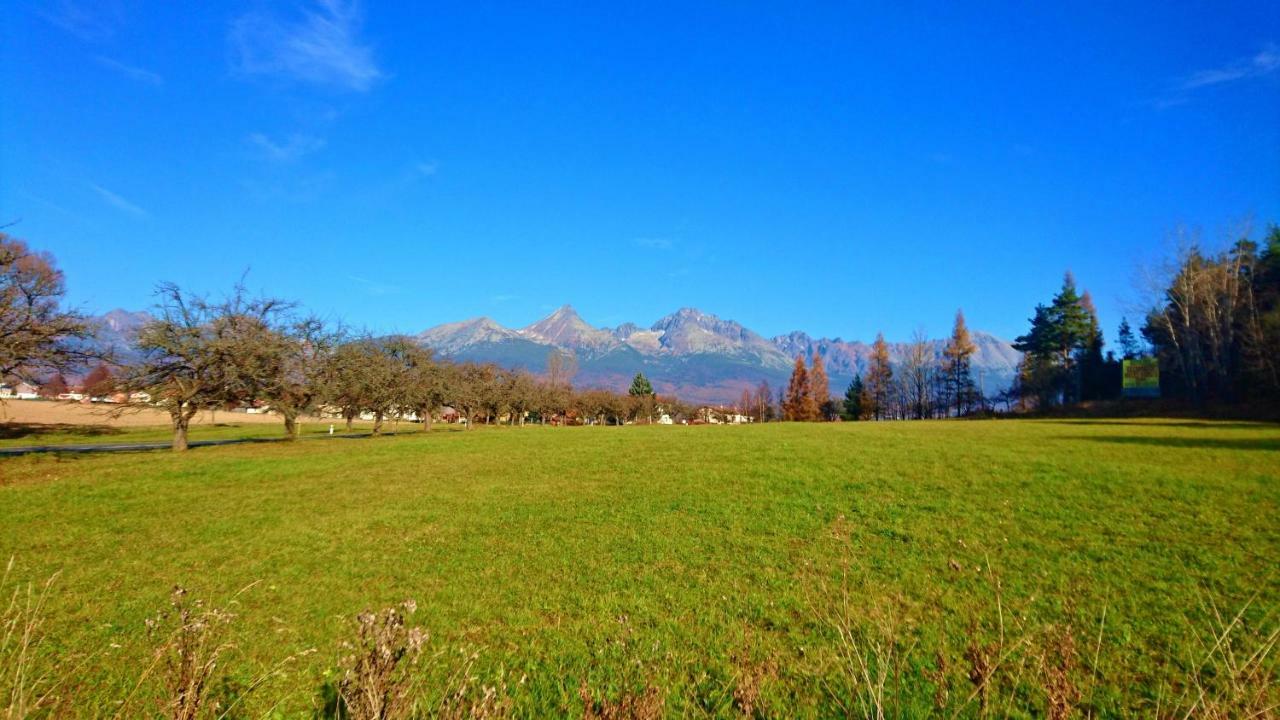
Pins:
x,y
21,391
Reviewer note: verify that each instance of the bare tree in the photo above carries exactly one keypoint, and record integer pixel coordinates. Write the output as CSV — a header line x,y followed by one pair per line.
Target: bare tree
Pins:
x,y
37,335
468,387
763,401
198,354
917,376
561,367
1196,330
343,382
304,348
424,380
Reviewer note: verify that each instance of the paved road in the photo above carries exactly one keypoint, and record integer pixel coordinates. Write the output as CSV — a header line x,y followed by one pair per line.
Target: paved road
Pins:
x,y
137,447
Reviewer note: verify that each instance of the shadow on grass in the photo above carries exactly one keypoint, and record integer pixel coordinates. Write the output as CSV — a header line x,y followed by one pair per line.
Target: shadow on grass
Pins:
x,y
1264,444
15,430
1192,424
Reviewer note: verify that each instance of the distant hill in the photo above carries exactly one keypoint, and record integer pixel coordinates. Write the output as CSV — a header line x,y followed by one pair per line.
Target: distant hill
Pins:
x,y
696,355
115,333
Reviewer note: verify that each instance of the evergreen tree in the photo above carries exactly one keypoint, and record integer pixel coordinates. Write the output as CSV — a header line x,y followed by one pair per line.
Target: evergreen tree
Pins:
x,y
1093,366
853,399
879,382
1129,346
819,390
1058,332
640,386
798,400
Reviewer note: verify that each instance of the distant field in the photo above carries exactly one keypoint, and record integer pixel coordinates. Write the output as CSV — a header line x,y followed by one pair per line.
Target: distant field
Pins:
x,y
1083,563
74,413
44,422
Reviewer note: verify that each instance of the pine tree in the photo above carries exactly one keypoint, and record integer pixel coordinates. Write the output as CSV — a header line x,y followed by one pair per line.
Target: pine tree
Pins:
x,y
1058,332
853,399
1093,366
956,367
640,386
798,400
1129,346
819,389
879,382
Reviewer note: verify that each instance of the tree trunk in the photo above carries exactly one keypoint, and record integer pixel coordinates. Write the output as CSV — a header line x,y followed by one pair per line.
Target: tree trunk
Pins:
x,y
377,423
350,420
181,421
291,424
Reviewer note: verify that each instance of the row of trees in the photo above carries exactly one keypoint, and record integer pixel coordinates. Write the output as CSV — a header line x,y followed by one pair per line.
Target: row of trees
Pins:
x,y
925,384
196,355
1216,325
1214,328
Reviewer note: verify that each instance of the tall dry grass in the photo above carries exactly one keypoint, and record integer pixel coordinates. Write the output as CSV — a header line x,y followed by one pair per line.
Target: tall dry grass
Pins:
x,y
1006,662
29,683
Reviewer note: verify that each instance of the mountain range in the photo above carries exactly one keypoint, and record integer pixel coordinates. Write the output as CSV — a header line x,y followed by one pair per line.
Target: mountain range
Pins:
x,y
695,355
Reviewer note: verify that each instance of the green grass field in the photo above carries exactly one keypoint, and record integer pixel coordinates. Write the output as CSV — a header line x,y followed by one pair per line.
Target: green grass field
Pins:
x,y
719,567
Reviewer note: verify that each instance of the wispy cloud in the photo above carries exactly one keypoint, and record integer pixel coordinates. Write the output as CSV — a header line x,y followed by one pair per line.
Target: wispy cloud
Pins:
x,y
1264,62
1261,64
323,46
131,71
90,21
499,299
295,147
118,202
427,169
374,287
653,243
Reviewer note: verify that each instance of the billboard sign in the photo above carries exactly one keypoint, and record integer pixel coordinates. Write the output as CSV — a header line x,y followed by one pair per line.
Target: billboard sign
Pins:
x,y
1141,378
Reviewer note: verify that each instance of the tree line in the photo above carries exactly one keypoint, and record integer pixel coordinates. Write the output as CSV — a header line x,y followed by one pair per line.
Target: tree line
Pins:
x,y
1213,327
196,354
921,384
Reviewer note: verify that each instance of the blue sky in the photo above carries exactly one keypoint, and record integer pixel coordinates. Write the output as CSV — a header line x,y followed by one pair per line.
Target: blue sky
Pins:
x,y
836,168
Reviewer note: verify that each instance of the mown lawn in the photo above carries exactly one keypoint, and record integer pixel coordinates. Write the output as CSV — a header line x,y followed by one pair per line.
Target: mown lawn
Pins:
x,y
1077,560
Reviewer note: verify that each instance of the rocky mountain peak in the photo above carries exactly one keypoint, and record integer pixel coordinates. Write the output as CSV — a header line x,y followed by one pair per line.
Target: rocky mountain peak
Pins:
x,y
566,328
